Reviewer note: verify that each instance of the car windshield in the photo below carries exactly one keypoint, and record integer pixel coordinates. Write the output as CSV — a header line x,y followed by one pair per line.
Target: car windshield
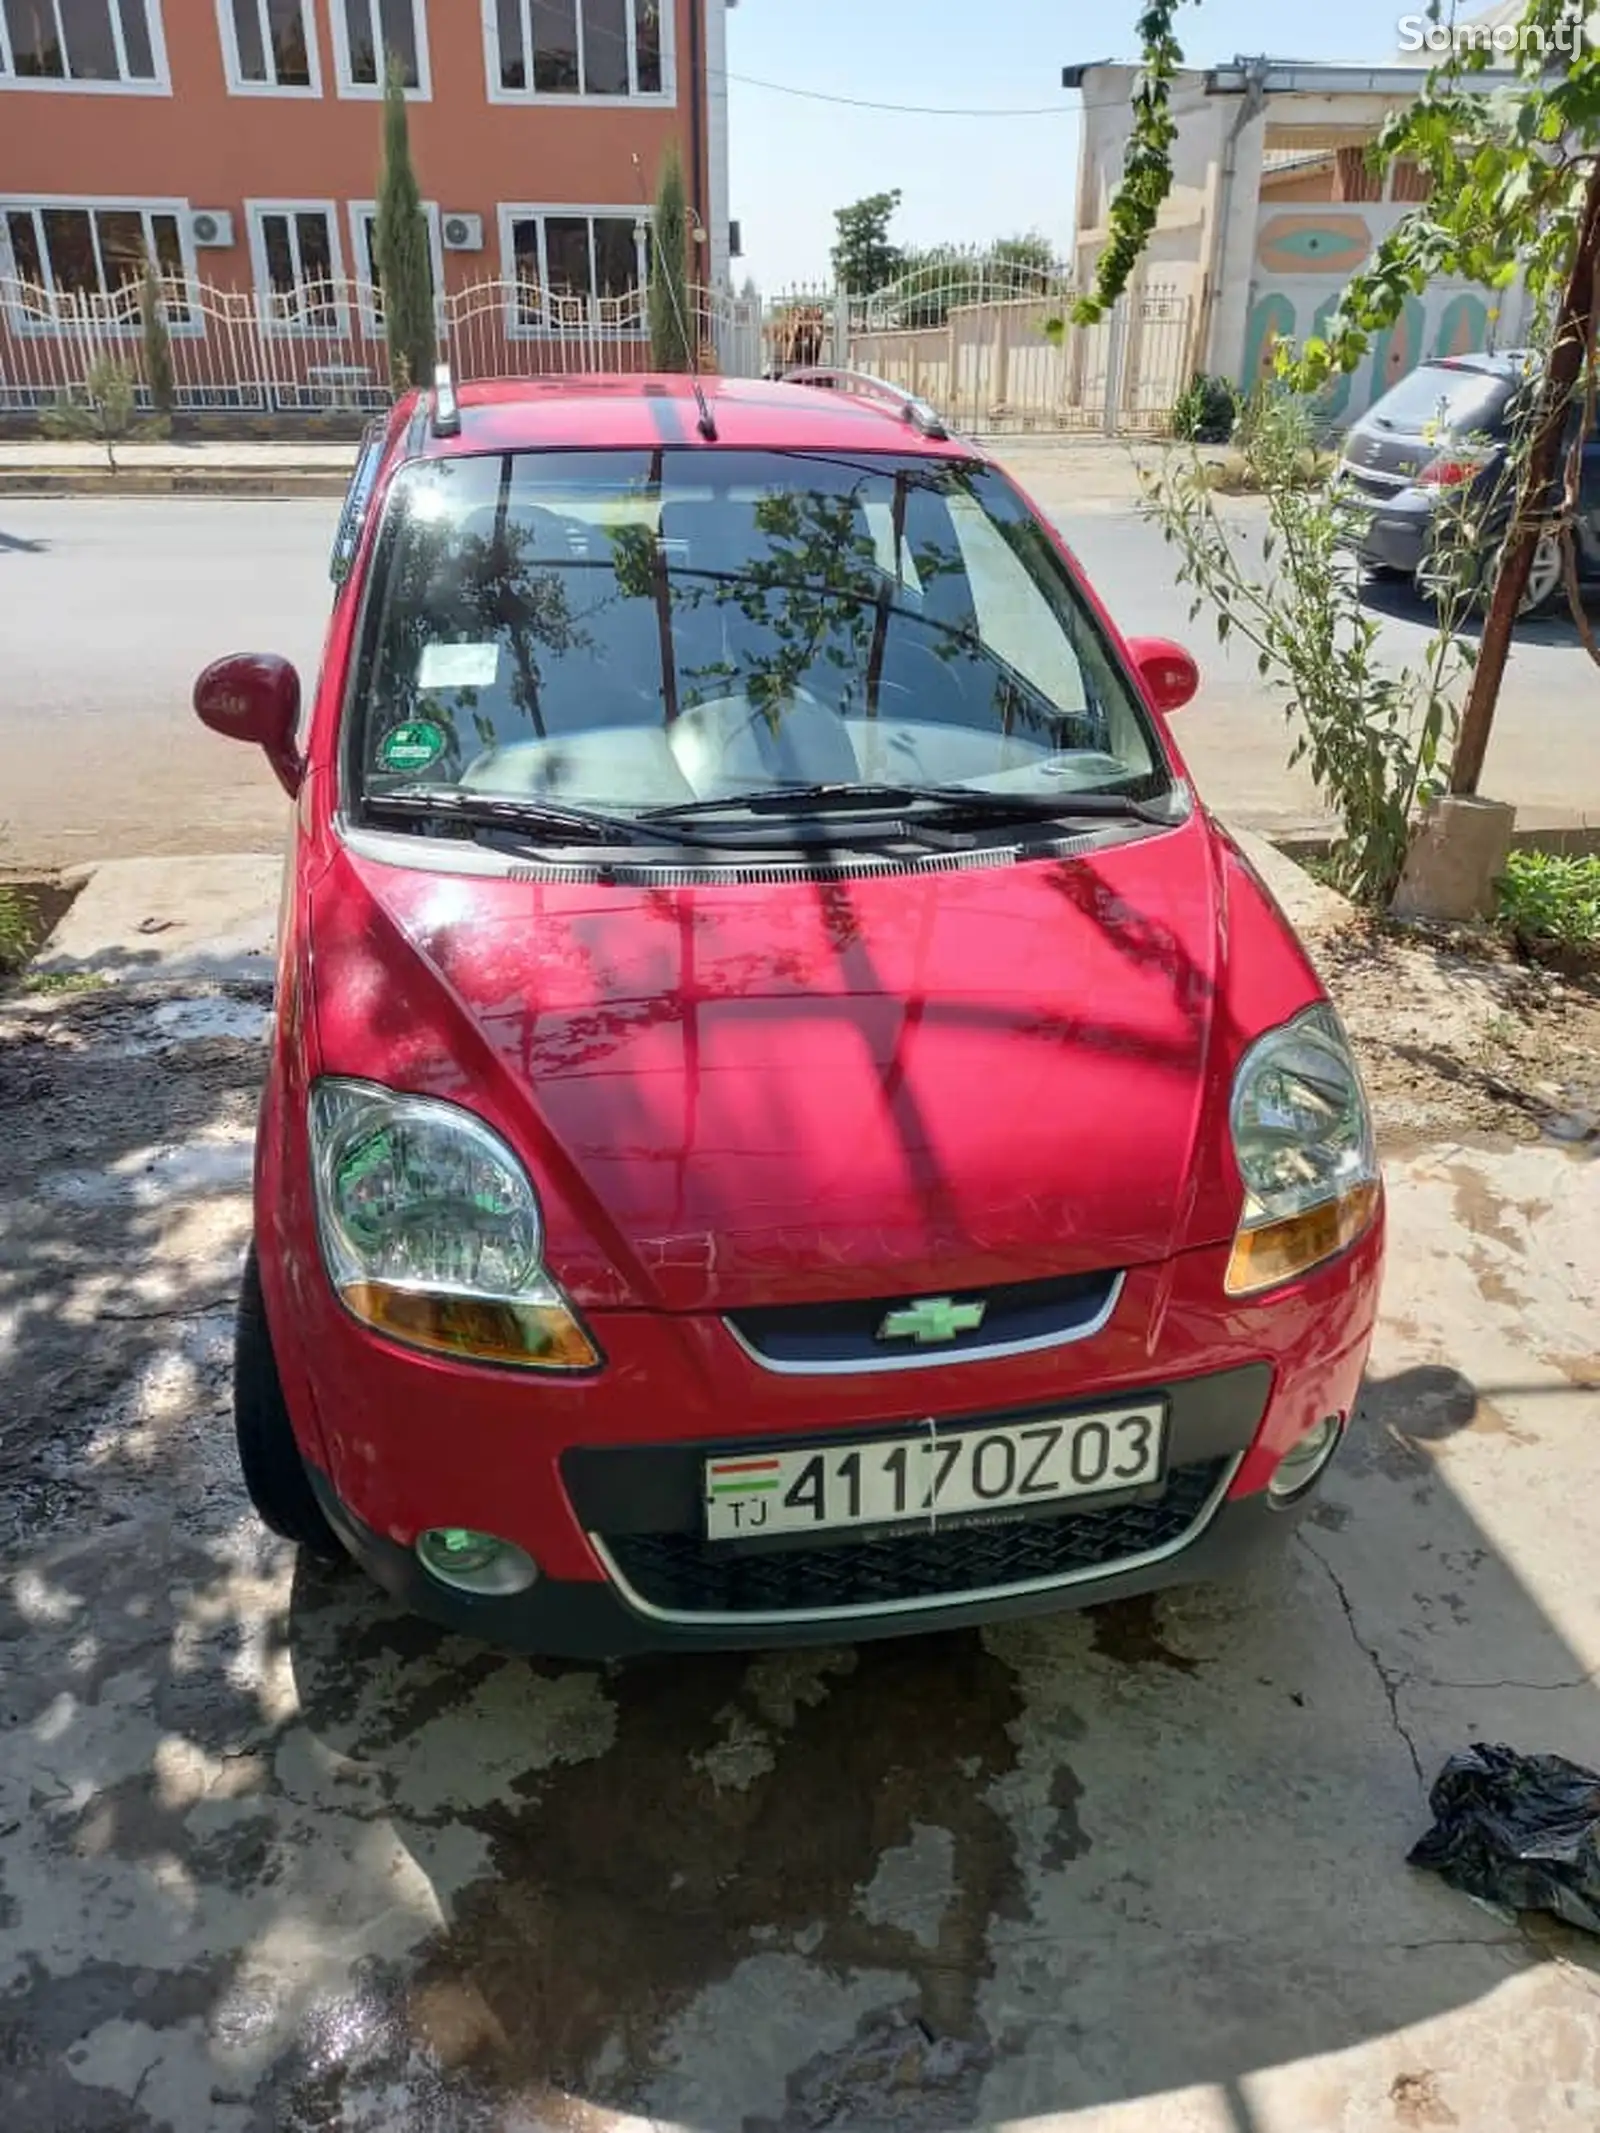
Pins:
x,y
1437,401
632,630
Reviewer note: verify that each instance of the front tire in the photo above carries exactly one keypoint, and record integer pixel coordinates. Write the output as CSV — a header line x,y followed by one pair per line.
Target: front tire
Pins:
x,y
275,1475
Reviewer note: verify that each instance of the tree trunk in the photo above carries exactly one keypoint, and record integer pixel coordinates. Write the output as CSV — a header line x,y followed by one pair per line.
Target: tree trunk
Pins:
x,y
1574,333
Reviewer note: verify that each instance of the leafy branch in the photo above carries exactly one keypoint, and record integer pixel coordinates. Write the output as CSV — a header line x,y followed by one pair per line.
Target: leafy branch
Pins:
x,y
1146,167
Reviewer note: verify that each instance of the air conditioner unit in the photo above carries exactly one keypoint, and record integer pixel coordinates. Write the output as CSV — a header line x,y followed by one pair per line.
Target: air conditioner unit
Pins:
x,y
462,233
210,226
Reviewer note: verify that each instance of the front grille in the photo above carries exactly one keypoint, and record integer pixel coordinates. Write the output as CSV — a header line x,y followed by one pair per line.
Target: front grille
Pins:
x,y
683,1574
838,1336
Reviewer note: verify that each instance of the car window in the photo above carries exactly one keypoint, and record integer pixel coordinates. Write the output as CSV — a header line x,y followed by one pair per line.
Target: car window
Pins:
x,y
1013,615
634,629
1437,401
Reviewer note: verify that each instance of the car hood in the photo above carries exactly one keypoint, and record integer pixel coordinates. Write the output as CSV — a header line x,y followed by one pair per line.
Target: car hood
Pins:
x,y
759,1091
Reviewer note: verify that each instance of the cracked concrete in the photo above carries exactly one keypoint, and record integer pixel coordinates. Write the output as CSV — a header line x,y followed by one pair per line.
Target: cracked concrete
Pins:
x,y
1389,1682
273,1856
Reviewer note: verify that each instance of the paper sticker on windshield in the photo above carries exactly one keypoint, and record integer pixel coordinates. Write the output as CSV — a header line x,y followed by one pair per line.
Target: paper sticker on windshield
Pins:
x,y
412,746
458,666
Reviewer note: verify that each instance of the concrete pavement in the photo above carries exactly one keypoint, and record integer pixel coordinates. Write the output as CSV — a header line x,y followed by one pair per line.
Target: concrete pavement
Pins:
x,y
274,1858
207,467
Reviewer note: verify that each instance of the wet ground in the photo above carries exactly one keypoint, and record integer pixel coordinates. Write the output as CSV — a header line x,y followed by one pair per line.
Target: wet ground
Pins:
x,y
273,1856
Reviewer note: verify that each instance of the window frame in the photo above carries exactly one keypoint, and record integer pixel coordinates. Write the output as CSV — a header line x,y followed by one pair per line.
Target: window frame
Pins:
x,y
372,92
159,83
37,204
233,73
255,212
652,99
364,268
511,212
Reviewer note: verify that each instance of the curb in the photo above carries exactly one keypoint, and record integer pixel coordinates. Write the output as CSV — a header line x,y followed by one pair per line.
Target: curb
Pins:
x,y
137,481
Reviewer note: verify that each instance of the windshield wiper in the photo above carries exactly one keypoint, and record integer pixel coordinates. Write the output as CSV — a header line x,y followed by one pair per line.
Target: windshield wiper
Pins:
x,y
479,810
515,811
929,801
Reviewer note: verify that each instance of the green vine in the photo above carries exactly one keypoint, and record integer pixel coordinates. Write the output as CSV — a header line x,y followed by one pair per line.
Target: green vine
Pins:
x,y
1146,167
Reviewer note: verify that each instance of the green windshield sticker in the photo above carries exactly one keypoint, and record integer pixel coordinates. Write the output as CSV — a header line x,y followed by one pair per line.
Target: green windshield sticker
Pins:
x,y
412,746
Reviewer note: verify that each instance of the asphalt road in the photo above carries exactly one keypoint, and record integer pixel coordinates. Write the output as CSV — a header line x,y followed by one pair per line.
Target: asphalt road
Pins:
x,y
108,610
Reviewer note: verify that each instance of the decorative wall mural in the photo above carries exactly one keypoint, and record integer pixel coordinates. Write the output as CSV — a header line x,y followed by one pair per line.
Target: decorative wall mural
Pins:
x,y
1463,326
1334,399
1399,347
1314,241
1305,257
1271,321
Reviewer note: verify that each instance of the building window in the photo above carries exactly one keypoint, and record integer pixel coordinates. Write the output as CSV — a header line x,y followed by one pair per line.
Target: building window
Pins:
x,y
294,245
577,48
363,221
269,47
367,34
82,44
78,251
1352,178
575,269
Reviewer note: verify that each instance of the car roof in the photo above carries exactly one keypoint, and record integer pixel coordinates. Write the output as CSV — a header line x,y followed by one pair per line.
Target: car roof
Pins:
x,y
645,411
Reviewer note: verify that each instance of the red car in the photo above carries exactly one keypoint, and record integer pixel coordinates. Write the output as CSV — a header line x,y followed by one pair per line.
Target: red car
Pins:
x,y
786,1120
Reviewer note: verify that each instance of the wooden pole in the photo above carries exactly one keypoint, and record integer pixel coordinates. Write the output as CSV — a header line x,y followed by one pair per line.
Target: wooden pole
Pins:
x,y
1574,335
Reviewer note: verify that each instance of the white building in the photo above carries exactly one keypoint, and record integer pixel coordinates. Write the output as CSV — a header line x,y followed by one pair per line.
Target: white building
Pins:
x,y
1272,209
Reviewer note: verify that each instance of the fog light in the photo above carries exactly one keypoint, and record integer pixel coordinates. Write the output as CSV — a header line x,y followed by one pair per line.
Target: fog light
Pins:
x,y
475,1562
1303,1462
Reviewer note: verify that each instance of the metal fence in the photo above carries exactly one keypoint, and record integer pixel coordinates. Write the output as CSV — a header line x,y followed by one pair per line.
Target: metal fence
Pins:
x,y
993,348
991,343
322,350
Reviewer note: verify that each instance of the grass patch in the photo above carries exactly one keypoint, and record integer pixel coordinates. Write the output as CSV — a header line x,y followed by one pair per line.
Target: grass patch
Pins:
x,y
28,910
16,935
65,981
1550,899
1232,475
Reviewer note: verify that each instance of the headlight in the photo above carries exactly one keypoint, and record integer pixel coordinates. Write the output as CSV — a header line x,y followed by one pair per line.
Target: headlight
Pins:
x,y
1302,1137
431,1232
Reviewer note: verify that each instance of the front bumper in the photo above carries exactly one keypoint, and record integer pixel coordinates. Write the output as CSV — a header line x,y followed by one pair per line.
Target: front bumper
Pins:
x,y
584,1619
599,1479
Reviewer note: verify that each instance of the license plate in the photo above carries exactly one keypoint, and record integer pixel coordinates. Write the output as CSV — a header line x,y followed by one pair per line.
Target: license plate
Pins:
x,y
944,1474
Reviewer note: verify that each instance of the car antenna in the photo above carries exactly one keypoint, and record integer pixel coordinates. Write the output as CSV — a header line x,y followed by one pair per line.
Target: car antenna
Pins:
x,y
705,425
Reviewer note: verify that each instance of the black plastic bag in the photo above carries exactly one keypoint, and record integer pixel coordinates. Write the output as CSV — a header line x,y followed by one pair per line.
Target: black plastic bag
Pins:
x,y
1519,1830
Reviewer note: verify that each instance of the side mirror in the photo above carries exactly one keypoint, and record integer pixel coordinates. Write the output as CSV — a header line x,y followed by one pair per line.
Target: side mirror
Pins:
x,y
255,696
1169,674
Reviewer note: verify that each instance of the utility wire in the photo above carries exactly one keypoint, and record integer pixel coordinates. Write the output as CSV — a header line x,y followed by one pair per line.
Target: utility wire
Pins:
x,y
864,103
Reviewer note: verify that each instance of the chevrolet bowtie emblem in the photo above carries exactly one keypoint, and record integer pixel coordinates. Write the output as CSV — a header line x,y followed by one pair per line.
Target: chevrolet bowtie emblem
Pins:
x,y
930,1319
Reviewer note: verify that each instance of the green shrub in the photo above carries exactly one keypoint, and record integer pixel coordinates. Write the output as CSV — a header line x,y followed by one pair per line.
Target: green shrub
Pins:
x,y
1376,740
14,931
108,412
1205,411
1548,897
159,375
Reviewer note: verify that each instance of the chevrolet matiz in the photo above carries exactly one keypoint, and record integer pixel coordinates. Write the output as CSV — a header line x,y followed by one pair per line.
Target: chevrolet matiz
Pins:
x,y
786,1119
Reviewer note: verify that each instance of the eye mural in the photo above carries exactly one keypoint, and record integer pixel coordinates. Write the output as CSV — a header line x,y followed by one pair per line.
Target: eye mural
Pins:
x,y
1315,242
